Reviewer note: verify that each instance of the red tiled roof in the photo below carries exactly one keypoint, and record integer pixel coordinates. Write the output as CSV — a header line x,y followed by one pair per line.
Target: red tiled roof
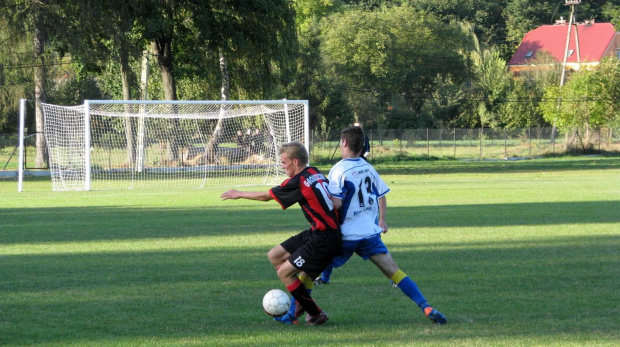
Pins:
x,y
594,38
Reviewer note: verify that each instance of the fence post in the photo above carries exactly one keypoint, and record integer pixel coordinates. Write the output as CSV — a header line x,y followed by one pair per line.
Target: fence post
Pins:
x,y
529,137
454,143
428,145
480,141
505,144
370,144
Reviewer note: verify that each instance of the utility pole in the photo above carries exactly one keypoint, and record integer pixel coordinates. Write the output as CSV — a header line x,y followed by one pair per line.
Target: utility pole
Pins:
x,y
571,21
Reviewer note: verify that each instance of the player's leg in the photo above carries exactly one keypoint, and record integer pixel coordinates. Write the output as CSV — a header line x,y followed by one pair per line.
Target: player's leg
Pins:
x,y
278,255
325,275
288,275
305,254
389,268
386,264
347,250
296,310
313,257
374,249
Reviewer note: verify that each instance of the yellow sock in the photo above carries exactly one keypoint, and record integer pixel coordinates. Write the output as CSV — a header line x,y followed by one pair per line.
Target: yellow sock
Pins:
x,y
398,276
307,281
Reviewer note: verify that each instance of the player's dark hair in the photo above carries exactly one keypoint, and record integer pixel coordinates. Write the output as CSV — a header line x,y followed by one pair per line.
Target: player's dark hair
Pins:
x,y
295,150
355,137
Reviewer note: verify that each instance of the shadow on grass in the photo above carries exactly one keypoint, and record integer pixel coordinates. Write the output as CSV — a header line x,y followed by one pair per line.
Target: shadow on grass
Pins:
x,y
43,225
564,285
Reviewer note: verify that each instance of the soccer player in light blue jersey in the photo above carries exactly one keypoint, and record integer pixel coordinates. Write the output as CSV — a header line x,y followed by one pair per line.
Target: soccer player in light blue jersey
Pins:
x,y
360,195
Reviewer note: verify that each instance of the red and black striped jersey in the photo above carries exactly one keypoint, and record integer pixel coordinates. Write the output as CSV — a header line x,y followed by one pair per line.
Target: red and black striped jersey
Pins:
x,y
309,189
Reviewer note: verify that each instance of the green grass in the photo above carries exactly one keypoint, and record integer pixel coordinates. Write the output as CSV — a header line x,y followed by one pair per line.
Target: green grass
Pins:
x,y
514,253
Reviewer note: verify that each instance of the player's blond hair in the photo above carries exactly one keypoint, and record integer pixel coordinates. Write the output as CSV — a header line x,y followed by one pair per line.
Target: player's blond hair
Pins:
x,y
295,150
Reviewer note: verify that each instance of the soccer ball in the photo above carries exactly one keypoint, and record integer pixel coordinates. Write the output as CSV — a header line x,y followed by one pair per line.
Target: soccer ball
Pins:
x,y
276,303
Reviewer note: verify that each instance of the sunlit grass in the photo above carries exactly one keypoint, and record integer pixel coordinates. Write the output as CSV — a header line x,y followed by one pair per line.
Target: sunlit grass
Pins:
x,y
513,255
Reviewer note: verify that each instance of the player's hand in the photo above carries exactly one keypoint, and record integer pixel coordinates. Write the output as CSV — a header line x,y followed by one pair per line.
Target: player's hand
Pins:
x,y
383,226
231,194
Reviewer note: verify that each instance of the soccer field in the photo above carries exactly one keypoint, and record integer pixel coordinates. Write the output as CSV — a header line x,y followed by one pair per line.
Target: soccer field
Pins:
x,y
513,253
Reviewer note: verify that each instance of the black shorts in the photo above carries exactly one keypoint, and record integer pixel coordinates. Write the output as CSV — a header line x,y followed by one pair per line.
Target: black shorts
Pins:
x,y
311,251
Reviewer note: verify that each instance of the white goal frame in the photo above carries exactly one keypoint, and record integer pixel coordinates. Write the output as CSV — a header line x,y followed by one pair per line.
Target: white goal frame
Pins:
x,y
76,143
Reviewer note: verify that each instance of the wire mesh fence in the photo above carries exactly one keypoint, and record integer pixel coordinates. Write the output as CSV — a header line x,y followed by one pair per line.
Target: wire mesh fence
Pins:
x,y
9,152
472,144
475,143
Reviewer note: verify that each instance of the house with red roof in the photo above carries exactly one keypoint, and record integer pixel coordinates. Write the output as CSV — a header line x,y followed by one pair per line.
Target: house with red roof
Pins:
x,y
589,42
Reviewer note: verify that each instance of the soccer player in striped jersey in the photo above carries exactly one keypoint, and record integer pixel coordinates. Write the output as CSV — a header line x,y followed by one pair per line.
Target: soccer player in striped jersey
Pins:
x,y
309,252
360,195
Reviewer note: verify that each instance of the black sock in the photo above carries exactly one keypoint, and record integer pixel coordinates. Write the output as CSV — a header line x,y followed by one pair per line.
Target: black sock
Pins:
x,y
300,293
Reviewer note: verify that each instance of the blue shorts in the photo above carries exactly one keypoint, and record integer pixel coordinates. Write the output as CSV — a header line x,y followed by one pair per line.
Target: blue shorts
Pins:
x,y
365,248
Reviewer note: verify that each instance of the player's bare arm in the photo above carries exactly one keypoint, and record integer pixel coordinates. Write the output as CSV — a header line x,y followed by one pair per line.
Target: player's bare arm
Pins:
x,y
337,202
382,210
234,194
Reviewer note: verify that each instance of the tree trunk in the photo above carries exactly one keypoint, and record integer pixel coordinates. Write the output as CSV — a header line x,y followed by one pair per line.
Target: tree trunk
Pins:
x,y
225,77
39,92
162,48
212,147
126,75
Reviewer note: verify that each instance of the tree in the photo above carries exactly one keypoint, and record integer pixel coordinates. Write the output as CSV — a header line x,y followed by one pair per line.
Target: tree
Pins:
x,y
488,89
605,111
255,41
525,15
443,105
485,15
393,51
329,109
15,80
611,12
38,18
521,108
588,100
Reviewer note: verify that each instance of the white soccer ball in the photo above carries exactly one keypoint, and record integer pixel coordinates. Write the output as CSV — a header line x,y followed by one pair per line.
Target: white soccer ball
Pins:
x,y
276,302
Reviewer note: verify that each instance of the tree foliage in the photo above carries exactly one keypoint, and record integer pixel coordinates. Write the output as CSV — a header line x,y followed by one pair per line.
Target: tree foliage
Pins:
x,y
589,99
387,63
396,52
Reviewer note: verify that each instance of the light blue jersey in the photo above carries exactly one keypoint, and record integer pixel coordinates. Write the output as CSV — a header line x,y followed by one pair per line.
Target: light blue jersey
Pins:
x,y
359,186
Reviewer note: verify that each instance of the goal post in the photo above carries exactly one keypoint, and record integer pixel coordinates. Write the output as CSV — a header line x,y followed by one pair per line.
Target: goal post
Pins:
x,y
22,148
116,144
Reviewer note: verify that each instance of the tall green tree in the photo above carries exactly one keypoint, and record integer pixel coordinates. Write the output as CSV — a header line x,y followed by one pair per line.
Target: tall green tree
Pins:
x,y
487,88
15,73
522,105
605,110
611,12
486,16
393,51
329,109
588,100
41,20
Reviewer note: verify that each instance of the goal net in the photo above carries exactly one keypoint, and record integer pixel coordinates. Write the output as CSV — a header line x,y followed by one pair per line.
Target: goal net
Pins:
x,y
114,145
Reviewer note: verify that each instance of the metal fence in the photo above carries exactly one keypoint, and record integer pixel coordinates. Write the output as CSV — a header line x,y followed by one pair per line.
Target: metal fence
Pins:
x,y
480,143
